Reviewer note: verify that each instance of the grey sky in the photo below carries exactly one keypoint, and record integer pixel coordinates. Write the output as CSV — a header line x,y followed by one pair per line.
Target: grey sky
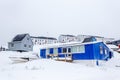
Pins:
x,y
54,17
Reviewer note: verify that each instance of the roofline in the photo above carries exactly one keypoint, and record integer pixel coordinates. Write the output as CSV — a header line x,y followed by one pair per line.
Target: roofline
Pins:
x,y
114,41
18,35
15,42
67,44
68,35
92,36
42,37
96,36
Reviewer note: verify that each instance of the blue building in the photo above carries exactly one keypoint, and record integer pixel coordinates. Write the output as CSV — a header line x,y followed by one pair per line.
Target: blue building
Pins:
x,y
78,51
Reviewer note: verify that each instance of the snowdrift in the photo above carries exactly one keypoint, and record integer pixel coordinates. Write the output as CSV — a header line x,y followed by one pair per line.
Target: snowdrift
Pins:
x,y
47,69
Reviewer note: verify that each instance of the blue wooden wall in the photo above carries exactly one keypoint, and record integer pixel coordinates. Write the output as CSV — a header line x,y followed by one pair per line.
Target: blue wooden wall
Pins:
x,y
92,52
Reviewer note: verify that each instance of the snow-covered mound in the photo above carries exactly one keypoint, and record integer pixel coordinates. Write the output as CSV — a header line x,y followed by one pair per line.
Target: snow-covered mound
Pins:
x,y
13,56
115,61
47,69
4,59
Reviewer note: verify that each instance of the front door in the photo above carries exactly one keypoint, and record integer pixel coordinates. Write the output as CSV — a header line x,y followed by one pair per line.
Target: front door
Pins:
x,y
68,54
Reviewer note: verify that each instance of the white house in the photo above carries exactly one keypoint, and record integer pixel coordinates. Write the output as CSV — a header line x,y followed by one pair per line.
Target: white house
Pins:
x,y
43,40
98,38
67,38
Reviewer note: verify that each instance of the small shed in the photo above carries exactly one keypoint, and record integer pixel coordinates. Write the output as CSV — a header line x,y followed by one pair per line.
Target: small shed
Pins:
x,y
21,42
78,51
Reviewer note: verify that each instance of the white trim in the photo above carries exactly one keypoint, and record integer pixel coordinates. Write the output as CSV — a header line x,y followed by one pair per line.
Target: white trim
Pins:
x,y
66,44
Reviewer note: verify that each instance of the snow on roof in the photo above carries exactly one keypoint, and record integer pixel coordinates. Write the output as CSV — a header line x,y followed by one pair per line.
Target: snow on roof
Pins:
x,y
38,47
42,37
112,46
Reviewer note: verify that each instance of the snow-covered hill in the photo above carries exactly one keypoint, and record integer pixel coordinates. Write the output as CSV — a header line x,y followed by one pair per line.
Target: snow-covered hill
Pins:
x,y
47,69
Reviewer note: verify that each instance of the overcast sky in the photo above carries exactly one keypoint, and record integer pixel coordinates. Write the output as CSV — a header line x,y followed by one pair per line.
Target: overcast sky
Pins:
x,y
55,17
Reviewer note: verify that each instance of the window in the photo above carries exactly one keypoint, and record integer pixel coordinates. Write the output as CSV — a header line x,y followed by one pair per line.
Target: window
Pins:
x,y
69,50
74,49
29,46
82,49
12,45
78,49
64,50
27,38
101,50
47,51
55,51
25,45
105,51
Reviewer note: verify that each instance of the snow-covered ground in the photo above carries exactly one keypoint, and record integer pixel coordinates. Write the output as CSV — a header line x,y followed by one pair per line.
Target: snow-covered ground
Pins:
x,y
47,69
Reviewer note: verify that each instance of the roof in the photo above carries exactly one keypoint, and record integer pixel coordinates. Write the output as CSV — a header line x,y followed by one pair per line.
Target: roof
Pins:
x,y
19,37
112,46
91,36
66,44
41,37
116,42
90,39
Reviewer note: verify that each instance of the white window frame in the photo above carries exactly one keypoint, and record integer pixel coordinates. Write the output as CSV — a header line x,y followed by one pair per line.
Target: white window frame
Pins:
x,y
78,49
47,51
106,51
101,50
55,51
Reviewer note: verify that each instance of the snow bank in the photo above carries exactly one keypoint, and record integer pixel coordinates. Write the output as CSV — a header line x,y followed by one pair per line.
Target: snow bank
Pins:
x,y
47,69
113,62
4,58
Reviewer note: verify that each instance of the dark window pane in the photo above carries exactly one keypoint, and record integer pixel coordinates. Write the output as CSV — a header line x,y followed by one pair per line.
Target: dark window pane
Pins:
x,y
69,50
29,46
12,45
25,45
64,50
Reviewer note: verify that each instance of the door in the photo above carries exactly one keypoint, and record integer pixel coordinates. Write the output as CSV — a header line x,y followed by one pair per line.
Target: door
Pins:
x,y
69,54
